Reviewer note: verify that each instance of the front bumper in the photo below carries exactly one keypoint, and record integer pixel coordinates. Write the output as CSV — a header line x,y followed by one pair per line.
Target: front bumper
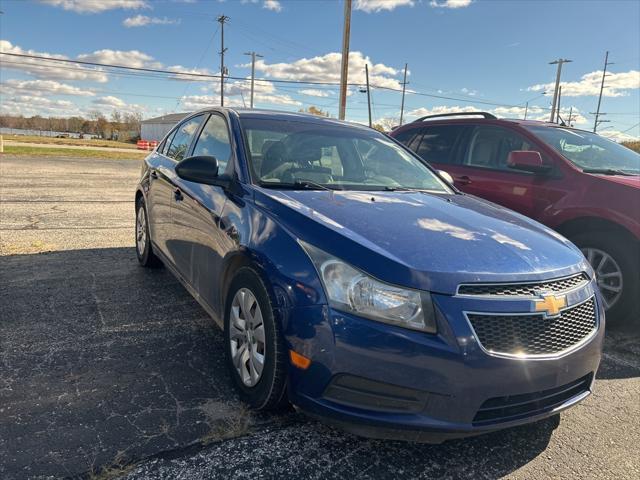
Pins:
x,y
381,381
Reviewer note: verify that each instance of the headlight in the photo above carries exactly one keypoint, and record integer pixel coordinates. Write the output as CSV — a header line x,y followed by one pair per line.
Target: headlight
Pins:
x,y
350,290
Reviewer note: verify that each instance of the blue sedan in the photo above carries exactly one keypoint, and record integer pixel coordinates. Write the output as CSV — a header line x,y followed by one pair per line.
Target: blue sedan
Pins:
x,y
353,281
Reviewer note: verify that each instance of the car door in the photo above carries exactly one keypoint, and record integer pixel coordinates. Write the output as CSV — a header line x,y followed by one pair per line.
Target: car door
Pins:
x,y
160,193
177,149
484,172
196,212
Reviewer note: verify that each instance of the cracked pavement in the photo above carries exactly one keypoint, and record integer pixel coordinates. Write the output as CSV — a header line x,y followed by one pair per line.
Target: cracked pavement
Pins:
x,y
108,369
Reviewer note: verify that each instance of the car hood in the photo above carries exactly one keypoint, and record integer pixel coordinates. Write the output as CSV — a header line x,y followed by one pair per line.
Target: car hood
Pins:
x,y
627,180
422,240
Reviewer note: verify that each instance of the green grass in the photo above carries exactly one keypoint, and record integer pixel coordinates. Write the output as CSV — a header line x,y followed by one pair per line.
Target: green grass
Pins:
x,y
71,152
69,141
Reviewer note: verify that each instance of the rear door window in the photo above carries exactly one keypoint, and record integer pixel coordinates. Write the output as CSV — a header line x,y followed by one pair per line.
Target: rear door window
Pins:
x,y
183,137
439,143
406,137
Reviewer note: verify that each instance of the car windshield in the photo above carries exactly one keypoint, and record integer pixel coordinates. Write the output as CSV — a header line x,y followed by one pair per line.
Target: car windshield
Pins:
x,y
589,151
305,154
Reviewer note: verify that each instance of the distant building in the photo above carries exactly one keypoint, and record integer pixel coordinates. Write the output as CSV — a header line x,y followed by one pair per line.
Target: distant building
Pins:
x,y
156,128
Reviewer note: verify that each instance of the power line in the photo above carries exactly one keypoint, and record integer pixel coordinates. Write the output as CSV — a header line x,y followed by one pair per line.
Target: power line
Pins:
x,y
162,74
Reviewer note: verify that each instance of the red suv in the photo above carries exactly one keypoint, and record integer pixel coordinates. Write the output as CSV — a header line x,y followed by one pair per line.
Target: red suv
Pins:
x,y
582,185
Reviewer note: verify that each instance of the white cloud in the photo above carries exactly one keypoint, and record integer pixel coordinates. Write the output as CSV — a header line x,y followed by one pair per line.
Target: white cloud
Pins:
x,y
109,104
273,5
143,20
467,91
379,5
29,105
40,87
450,3
127,58
97,6
618,136
48,70
312,92
616,85
326,68
110,101
264,93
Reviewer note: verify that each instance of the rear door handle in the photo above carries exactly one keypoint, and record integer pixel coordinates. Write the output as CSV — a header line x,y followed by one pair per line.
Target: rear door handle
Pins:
x,y
153,174
177,194
463,180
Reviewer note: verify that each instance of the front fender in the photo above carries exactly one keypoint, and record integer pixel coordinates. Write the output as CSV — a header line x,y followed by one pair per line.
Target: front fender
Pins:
x,y
287,271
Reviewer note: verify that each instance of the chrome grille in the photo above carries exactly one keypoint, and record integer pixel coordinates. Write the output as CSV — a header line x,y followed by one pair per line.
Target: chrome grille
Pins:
x,y
524,289
535,334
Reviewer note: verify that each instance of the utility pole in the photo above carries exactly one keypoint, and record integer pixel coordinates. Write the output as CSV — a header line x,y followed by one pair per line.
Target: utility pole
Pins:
x,y
344,66
558,62
604,74
570,114
222,19
599,121
253,71
366,72
526,110
404,85
558,109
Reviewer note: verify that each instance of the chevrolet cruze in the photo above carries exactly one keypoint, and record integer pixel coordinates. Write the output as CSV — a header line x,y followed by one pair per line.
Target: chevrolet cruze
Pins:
x,y
353,281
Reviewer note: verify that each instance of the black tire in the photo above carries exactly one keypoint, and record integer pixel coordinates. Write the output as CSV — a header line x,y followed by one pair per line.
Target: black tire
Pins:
x,y
146,257
269,393
625,252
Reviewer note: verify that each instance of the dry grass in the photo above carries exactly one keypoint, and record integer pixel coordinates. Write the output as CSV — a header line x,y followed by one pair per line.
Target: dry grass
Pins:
x,y
635,146
68,141
71,152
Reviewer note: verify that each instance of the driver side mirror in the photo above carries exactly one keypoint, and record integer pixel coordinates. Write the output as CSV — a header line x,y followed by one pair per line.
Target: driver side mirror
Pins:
x,y
528,161
446,176
201,169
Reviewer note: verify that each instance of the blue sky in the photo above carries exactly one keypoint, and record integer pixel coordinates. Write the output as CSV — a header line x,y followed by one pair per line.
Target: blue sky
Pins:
x,y
485,54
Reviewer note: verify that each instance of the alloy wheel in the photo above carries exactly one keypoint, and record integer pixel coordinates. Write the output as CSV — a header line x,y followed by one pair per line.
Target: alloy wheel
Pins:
x,y
247,337
141,231
608,275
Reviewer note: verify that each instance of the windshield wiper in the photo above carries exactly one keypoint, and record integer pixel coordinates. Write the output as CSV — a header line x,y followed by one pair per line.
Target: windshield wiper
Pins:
x,y
387,188
608,171
306,184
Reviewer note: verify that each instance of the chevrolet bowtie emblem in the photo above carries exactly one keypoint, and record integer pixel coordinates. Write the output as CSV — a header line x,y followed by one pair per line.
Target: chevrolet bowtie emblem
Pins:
x,y
550,304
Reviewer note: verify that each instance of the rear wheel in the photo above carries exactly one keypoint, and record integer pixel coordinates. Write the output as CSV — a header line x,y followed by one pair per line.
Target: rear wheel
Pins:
x,y
256,354
616,261
144,250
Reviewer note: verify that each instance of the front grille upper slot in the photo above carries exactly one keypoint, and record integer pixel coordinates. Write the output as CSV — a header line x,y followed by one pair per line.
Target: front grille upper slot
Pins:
x,y
530,335
524,289
513,407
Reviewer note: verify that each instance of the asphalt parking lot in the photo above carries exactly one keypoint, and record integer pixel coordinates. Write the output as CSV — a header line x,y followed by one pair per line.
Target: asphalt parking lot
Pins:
x,y
108,369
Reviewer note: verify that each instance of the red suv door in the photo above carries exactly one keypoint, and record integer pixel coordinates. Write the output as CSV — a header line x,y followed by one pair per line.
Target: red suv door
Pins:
x,y
478,165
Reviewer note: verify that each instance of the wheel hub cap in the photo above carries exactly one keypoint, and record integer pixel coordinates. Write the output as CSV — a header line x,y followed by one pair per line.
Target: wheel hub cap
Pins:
x,y
247,337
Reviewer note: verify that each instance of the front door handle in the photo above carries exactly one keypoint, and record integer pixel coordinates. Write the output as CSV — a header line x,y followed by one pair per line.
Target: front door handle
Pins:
x,y
153,174
177,194
463,180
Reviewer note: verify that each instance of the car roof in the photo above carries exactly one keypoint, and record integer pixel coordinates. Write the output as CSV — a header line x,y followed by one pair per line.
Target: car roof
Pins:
x,y
462,119
282,115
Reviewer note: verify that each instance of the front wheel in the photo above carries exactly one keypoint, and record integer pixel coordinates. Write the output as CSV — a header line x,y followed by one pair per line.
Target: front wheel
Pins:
x,y
255,350
616,262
